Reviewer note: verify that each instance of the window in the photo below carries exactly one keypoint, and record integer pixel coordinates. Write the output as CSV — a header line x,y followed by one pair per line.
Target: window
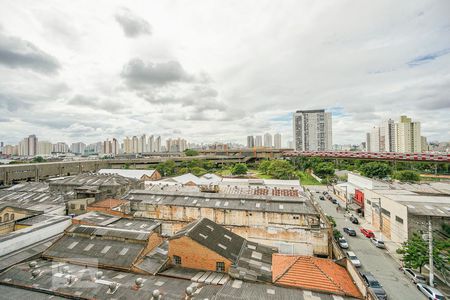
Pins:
x,y
295,217
12,217
72,206
368,202
177,260
6,217
220,266
398,219
82,207
386,212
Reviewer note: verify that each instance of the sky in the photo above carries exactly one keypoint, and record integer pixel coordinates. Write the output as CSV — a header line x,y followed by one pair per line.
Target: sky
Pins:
x,y
210,70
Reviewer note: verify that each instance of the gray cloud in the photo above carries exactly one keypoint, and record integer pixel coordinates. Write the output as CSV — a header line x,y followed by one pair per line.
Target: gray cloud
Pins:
x,y
132,24
19,53
95,103
11,103
138,74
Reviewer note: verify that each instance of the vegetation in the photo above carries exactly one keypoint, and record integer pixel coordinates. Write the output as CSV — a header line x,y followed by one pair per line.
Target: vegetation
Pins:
x,y
279,169
239,169
307,179
415,253
332,221
190,152
166,168
324,170
406,175
38,159
337,234
376,170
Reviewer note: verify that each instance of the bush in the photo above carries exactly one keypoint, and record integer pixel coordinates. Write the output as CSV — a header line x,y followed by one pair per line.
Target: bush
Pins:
x,y
337,234
376,170
190,152
408,175
239,169
281,169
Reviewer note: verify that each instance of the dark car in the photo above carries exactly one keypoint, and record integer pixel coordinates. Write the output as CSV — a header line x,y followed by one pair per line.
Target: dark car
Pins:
x,y
349,231
322,198
354,220
374,285
325,193
334,201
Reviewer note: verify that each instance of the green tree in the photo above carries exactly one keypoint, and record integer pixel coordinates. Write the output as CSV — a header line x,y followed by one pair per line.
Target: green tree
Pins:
x,y
376,170
407,175
281,169
264,166
197,171
239,169
337,234
166,168
38,159
324,170
190,152
415,252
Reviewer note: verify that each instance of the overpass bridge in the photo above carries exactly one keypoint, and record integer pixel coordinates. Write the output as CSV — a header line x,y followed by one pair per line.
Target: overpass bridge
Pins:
x,y
40,171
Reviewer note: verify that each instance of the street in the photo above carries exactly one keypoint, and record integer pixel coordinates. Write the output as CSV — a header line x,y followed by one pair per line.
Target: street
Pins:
x,y
374,260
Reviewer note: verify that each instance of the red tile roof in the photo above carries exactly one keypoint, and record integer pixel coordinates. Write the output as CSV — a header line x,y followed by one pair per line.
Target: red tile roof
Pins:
x,y
312,273
109,203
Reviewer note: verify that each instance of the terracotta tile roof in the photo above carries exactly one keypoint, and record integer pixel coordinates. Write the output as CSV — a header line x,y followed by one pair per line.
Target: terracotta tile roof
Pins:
x,y
109,203
312,273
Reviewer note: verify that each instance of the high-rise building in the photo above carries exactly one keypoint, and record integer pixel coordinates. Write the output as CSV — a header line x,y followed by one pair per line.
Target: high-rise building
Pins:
x,y
312,130
157,145
407,136
135,145
115,146
250,141
277,141
268,140
44,148
387,136
60,147
28,146
151,144
373,140
78,148
127,145
424,144
258,141
290,144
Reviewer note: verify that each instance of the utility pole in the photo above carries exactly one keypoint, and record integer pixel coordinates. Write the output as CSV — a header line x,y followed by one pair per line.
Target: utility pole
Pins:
x,y
430,255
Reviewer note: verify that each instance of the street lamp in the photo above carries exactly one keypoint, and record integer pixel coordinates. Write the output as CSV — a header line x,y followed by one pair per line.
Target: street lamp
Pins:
x,y
380,216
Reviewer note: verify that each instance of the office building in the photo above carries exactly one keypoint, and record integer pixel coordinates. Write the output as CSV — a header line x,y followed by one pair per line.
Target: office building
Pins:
x,y
277,141
407,136
268,140
250,141
312,130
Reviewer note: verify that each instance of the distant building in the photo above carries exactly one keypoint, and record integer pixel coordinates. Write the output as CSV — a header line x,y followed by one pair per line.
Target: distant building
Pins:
x,y
44,148
28,146
373,140
258,141
268,140
78,148
424,143
277,141
60,147
407,136
250,141
312,130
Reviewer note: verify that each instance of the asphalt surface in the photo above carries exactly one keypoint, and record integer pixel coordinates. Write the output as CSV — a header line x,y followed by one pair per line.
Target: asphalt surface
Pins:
x,y
374,260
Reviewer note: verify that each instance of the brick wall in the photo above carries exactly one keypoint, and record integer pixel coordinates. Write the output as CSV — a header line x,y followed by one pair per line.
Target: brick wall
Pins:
x,y
195,256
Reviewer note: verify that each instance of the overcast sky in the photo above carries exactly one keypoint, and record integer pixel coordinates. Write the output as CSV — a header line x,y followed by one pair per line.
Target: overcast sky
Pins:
x,y
220,70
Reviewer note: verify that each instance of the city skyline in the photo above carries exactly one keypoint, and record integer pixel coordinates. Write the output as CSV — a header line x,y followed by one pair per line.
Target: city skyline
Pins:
x,y
85,71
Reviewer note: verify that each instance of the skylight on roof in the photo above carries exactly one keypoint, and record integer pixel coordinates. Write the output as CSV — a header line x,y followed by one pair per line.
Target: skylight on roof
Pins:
x,y
428,207
88,247
106,249
227,237
210,227
271,291
72,245
222,246
203,235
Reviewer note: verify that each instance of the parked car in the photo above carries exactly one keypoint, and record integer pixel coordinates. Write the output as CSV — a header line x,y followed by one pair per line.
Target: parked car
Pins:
x,y
317,192
354,259
322,198
325,193
367,233
334,201
378,243
415,277
354,220
349,231
430,292
343,243
328,197
374,285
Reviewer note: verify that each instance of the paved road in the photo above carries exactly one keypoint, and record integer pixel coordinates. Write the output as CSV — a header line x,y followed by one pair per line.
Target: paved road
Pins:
x,y
377,261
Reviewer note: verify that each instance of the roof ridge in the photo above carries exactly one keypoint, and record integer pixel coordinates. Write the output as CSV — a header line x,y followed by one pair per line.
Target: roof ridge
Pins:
x,y
338,286
287,269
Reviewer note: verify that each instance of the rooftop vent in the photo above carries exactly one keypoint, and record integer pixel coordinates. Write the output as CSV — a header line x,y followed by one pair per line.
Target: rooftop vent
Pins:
x,y
190,292
32,264
99,274
139,282
113,286
35,273
65,269
156,295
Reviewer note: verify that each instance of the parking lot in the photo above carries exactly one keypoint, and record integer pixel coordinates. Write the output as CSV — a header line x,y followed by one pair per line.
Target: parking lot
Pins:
x,y
374,260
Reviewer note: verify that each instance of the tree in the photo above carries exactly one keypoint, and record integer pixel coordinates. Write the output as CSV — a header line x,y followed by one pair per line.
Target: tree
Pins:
x,y
281,169
263,166
337,234
197,171
324,170
406,175
415,252
239,169
376,170
166,168
190,152
38,159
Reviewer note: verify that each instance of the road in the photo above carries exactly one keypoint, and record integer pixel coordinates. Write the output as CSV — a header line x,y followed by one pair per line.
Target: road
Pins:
x,y
374,260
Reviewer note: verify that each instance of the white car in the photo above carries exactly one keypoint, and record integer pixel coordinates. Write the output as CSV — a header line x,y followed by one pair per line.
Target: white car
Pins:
x,y
354,259
430,292
378,243
415,277
343,243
